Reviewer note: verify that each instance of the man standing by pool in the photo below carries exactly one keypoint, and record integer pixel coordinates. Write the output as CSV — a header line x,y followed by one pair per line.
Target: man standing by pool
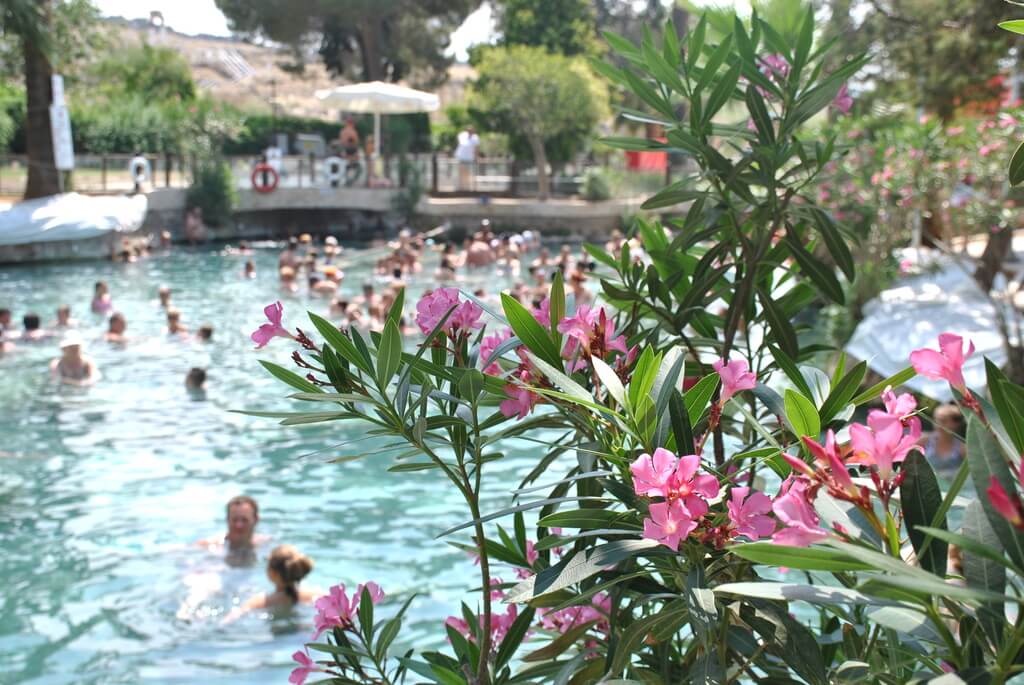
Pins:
x,y
240,540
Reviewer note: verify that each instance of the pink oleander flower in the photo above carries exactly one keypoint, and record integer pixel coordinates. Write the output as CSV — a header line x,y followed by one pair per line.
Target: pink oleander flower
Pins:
x,y
487,347
520,402
674,478
543,313
500,624
830,461
775,66
306,666
433,306
589,330
336,609
882,442
843,101
792,507
268,331
496,592
669,523
945,364
954,130
1008,506
566,619
531,558
903,407
747,512
735,375
906,266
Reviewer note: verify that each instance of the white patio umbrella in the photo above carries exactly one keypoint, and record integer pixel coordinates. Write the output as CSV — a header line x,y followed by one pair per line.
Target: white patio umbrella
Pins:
x,y
378,98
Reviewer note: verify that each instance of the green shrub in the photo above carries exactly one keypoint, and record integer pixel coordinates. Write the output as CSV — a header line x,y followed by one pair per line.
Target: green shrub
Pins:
x,y
405,132
213,192
595,186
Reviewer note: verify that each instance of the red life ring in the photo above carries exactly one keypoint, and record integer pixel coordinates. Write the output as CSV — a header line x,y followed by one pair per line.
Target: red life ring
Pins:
x,y
272,178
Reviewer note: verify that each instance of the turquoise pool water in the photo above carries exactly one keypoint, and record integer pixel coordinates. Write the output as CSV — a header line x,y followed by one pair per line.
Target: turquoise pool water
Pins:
x,y
103,489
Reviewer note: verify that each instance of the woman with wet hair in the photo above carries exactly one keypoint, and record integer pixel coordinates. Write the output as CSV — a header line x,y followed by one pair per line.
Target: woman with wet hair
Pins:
x,y
286,568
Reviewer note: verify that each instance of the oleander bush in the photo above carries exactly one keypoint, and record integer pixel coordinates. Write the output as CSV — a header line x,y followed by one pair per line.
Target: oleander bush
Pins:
x,y
706,505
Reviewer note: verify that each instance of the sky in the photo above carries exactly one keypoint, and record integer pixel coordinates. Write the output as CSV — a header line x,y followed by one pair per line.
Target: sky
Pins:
x,y
202,16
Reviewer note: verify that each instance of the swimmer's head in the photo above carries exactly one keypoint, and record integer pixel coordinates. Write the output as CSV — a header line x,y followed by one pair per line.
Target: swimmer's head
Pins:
x,y
31,322
5,317
195,380
101,288
63,314
286,567
206,332
118,324
164,293
250,267
173,315
243,515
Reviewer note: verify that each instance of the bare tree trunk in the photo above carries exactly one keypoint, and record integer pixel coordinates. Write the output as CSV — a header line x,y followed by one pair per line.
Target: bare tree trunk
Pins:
x,y
540,159
43,177
996,251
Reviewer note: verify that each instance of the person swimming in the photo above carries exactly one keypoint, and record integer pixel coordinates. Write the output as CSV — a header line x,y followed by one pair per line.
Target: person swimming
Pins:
x,y
241,539
286,568
164,293
64,319
73,367
116,328
101,302
174,325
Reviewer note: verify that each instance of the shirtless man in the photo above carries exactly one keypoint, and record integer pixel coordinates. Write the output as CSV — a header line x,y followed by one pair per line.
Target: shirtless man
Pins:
x,y
5,320
73,367
33,332
240,540
289,258
174,324
64,319
116,328
322,287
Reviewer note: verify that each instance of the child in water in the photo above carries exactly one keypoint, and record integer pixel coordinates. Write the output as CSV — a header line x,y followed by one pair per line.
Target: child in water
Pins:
x,y
286,567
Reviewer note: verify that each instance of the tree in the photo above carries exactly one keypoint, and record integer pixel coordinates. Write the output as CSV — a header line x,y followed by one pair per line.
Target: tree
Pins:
x,y
367,40
151,73
566,27
540,94
934,54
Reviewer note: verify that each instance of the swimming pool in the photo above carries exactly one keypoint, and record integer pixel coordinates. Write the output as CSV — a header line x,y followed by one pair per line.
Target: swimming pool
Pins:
x,y
103,489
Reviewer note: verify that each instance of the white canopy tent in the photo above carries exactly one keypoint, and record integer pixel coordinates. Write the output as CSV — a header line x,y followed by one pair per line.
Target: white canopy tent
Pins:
x,y
377,97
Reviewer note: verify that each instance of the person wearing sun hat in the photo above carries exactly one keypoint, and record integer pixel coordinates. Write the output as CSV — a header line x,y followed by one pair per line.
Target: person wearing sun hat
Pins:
x,y
73,367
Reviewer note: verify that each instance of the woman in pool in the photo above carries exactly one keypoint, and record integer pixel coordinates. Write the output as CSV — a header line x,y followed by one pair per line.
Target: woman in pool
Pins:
x,y
101,303
286,568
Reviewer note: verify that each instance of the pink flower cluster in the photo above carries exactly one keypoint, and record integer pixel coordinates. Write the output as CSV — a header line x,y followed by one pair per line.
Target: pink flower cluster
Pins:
x,y
566,619
685,494
794,508
736,376
946,363
500,625
432,307
589,333
334,610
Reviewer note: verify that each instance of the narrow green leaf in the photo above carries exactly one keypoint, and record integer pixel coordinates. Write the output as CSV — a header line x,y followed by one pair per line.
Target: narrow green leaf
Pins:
x,y
920,499
982,573
803,558
894,381
802,415
842,392
1014,25
698,398
526,328
291,378
986,461
389,354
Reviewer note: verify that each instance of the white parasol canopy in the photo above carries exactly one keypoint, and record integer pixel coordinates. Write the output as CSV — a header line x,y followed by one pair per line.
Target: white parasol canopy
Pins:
x,y
378,98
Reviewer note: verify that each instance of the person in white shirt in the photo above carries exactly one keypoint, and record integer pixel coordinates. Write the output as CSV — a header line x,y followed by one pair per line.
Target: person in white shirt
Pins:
x,y
465,154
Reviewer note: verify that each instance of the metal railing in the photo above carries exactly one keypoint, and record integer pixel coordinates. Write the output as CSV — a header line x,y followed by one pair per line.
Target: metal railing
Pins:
x,y
437,174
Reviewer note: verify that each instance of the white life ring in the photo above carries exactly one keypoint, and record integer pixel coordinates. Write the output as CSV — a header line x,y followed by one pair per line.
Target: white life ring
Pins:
x,y
334,170
139,169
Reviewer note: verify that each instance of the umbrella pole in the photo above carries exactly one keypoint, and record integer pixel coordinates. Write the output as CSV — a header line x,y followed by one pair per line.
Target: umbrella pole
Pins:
x,y
376,137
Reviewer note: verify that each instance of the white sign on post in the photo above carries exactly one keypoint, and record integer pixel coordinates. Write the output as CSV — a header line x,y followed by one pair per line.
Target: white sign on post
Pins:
x,y
60,127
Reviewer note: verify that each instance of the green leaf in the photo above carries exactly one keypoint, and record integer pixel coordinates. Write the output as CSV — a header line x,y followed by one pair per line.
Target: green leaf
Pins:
x,y
803,43
920,499
842,392
834,241
986,461
673,613
982,573
341,344
780,326
672,195
586,519
895,380
570,387
803,558
713,63
790,592
819,273
1009,408
389,354
802,415
526,328
513,638
578,567
722,93
395,312
682,429
695,42
471,384
610,380
1016,170
1014,25
556,299
291,378
561,643
792,372
698,398
759,113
